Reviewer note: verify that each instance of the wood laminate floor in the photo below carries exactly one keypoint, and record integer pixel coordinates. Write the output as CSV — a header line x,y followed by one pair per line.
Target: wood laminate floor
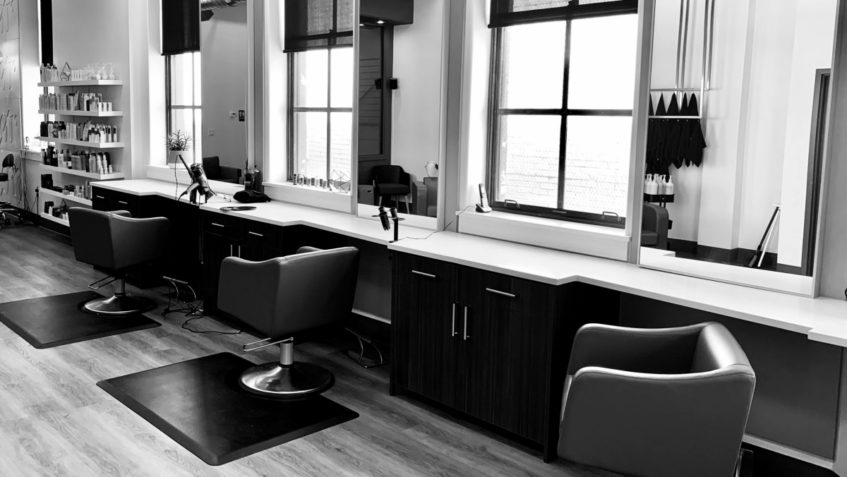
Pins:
x,y
55,421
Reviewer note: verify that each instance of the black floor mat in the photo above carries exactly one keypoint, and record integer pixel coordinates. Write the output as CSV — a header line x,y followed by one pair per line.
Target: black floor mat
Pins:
x,y
58,320
200,405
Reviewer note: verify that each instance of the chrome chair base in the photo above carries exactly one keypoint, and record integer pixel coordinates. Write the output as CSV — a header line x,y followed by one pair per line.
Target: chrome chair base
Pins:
x,y
296,380
119,305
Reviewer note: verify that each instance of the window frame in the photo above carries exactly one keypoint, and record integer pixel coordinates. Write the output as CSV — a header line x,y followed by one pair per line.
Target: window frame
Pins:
x,y
292,110
170,107
496,114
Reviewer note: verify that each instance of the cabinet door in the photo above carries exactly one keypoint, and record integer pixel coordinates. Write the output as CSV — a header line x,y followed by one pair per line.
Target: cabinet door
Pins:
x,y
506,350
425,322
260,241
215,248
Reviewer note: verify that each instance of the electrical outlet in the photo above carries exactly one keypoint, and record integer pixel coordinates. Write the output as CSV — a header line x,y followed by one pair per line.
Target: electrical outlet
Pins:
x,y
211,132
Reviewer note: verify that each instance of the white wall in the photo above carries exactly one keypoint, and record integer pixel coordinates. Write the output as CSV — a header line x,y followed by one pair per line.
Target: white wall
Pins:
x,y
416,125
223,43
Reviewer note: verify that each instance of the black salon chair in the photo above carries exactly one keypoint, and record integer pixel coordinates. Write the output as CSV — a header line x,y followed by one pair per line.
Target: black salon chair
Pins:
x,y
287,296
6,210
654,226
392,182
116,242
216,172
656,402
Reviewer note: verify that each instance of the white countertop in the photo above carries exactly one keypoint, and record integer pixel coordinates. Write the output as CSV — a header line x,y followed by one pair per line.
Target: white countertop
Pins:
x,y
821,319
275,213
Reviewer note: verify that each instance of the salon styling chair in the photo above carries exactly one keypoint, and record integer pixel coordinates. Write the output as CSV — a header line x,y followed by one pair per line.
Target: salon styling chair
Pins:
x,y
656,402
284,297
392,182
654,226
116,242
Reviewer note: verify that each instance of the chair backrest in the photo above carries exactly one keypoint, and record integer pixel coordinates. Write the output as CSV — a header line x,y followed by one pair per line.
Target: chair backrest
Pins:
x,y
212,167
115,241
388,174
288,295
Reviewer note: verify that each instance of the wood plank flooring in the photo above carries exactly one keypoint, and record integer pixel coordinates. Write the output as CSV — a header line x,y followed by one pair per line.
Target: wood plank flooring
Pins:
x,y
55,421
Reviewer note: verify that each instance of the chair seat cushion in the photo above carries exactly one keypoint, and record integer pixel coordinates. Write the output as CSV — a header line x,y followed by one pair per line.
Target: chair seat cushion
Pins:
x,y
393,189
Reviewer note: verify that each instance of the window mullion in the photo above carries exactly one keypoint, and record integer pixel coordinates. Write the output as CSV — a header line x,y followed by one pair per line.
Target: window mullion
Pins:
x,y
328,115
563,131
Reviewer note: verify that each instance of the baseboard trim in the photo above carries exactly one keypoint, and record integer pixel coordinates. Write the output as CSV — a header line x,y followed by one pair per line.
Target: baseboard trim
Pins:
x,y
789,452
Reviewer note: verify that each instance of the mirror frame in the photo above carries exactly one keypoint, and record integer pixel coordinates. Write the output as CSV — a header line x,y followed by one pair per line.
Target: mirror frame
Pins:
x,y
763,279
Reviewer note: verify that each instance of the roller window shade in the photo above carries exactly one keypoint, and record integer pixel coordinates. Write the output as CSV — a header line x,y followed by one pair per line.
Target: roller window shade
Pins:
x,y
46,32
312,24
516,12
180,26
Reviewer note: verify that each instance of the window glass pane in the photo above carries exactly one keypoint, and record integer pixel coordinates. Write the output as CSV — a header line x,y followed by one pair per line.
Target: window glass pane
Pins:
x,y
529,159
342,77
340,146
183,119
182,79
198,79
524,5
310,78
602,67
597,163
310,144
533,65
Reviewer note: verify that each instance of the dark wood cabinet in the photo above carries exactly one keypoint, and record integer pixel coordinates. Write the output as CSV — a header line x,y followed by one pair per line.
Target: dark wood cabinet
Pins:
x,y
475,341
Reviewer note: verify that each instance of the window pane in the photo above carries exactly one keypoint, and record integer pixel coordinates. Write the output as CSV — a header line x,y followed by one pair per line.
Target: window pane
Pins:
x,y
342,77
341,131
529,159
602,68
184,120
597,163
310,144
310,78
198,79
183,79
533,65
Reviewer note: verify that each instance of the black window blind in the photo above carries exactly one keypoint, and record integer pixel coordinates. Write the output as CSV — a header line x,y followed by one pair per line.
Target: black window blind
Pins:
x,y
180,26
516,12
312,24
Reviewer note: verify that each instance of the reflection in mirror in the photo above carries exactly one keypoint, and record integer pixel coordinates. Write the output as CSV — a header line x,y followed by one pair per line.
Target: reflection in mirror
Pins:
x,y
752,77
223,46
400,81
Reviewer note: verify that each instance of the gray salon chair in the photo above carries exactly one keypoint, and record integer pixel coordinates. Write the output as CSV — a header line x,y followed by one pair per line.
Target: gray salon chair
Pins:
x,y
116,242
656,402
283,297
654,226
392,182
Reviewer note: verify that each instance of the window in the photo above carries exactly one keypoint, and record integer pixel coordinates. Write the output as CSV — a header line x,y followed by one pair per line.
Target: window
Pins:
x,y
183,99
561,120
320,124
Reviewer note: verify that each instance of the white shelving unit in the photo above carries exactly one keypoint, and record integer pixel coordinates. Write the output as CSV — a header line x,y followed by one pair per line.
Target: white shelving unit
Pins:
x,y
69,84
57,220
91,114
75,142
64,174
67,197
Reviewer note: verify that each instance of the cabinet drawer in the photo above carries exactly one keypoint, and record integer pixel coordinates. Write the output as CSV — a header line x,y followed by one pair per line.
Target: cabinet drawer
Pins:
x,y
223,225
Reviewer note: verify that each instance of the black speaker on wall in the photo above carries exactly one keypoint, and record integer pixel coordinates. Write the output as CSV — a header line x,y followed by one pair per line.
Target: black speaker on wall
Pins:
x,y
46,17
180,26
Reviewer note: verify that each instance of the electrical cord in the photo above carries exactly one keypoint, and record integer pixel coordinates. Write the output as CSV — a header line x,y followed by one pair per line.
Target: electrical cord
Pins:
x,y
442,229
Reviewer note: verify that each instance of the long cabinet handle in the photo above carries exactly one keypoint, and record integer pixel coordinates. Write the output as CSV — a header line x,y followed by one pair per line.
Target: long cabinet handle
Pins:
x,y
465,335
123,202
423,274
215,224
99,197
453,323
501,293
255,234
239,250
231,254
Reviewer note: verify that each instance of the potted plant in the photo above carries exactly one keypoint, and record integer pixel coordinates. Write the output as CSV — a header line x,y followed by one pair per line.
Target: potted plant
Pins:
x,y
178,142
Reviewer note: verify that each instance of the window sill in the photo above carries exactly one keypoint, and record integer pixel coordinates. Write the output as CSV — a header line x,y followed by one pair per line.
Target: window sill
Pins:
x,y
595,240
310,196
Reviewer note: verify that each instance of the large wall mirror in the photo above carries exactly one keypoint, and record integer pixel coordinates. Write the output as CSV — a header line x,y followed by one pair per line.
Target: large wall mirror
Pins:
x,y
735,151
223,45
401,91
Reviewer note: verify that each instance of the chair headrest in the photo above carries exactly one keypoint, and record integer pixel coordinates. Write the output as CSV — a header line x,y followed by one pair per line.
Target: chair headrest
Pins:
x,y
9,161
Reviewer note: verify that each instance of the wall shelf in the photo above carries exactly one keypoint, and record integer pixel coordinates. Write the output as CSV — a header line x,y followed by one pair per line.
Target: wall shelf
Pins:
x,y
68,197
89,175
74,142
47,84
95,114
55,219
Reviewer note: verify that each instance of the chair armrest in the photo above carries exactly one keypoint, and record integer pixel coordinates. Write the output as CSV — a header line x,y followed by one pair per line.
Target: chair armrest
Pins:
x,y
658,350
618,419
138,240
